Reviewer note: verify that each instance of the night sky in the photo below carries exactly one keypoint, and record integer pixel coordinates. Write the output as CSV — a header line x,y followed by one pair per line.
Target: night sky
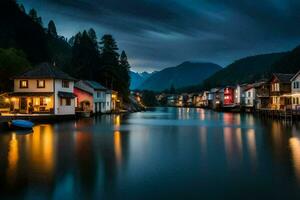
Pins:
x,y
163,33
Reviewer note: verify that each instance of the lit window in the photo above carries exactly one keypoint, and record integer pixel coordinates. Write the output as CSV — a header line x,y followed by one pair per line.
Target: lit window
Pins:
x,y
24,84
65,84
41,83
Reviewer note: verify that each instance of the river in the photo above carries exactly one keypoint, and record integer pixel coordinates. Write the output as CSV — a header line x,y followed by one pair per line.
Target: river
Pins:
x,y
164,153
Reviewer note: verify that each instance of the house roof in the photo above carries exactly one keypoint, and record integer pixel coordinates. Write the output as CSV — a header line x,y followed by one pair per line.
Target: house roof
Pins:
x,y
295,76
284,78
95,85
45,70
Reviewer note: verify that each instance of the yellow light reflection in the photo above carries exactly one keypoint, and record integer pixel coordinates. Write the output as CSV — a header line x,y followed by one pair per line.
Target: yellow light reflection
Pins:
x,y
252,144
13,157
117,121
118,146
41,147
295,150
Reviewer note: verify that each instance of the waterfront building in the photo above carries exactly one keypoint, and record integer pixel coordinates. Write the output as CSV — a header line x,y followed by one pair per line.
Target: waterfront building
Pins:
x,y
44,90
250,94
262,95
228,100
212,97
91,96
295,87
280,91
239,95
204,99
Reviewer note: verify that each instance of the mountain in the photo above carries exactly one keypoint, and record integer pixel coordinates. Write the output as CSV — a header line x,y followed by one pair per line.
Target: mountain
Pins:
x,y
290,63
138,78
249,69
185,74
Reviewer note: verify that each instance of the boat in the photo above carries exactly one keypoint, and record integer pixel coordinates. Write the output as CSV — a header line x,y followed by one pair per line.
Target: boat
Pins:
x,y
21,124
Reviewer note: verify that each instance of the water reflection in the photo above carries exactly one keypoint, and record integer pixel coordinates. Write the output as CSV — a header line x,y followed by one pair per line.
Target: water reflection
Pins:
x,y
295,148
13,157
111,157
252,145
118,146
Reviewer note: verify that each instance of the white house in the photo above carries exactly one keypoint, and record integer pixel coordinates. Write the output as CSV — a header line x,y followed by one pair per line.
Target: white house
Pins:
x,y
45,89
100,96
295,81
250,96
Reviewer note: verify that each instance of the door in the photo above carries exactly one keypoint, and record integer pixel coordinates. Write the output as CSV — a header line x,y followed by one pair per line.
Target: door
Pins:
x,y
23,105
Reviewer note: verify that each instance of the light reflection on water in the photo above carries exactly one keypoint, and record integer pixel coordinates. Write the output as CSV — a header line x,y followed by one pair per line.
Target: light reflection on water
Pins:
x,y
166,153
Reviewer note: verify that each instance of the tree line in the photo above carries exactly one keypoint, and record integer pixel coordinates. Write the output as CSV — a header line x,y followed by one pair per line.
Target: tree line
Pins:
x,y
24,42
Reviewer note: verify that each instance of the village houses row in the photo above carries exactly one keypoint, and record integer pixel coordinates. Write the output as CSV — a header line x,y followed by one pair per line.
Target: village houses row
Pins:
x,y
280,92
48,90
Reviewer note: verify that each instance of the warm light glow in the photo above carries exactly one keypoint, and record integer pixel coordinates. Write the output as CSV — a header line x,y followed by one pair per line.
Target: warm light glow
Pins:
x,y
251,144
13,99
295,150
48,100
6,100
117,121
118,146
13,157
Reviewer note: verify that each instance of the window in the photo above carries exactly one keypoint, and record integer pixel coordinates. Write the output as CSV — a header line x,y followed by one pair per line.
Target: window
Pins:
x,y
65,84
249,94
275,87
65,101
40,83
296,84
98,94
24,84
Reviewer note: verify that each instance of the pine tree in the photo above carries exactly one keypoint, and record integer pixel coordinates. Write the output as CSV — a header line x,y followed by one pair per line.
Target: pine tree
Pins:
x,y
52,28
22,8
125,70
34,17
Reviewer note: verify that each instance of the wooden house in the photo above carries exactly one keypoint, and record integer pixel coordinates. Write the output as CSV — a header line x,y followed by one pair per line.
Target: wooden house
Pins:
x,y
280,91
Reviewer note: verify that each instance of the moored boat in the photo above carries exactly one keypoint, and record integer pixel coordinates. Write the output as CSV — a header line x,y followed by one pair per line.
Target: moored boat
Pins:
x,y
21,124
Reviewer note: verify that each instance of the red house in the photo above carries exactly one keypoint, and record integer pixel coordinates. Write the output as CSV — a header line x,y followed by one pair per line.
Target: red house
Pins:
x,y
228,96
85,100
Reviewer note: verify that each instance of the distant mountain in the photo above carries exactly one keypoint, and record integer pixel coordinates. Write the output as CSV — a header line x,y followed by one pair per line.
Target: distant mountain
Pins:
x,y
245,70
185,74
138,78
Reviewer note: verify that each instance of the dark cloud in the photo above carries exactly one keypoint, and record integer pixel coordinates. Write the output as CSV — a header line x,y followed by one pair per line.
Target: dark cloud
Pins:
x,y
158,34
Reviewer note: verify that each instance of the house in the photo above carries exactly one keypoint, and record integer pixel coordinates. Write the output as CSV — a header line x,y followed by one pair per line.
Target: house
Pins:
x,y
211,97
262,95
228,97
295,87
91,96
250,94
44,89
204,99
172,100
115,101
239,95
280,91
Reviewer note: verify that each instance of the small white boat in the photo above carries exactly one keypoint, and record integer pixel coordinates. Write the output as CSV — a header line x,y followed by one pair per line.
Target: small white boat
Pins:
x,y
21,124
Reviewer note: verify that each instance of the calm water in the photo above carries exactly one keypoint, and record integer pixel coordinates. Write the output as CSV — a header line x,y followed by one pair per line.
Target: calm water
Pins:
x,y
166,153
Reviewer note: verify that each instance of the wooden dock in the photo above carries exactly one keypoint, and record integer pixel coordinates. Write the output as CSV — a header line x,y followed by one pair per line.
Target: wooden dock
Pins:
x,y
287,115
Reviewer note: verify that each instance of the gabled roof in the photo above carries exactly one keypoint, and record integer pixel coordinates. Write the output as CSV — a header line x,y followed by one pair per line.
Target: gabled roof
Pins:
x,y
295,76
284,78
95,85
45,70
